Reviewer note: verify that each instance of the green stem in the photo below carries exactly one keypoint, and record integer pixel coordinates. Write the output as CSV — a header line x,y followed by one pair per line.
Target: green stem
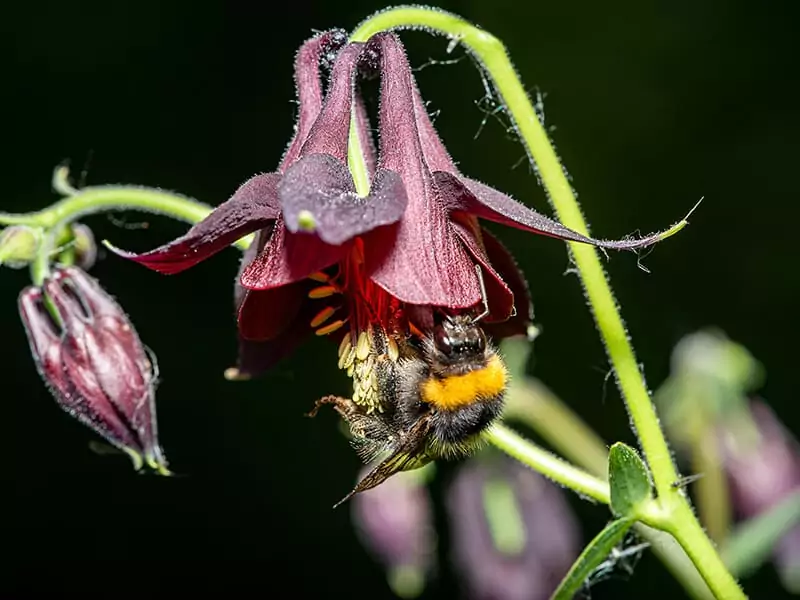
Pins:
x,y
531,403
105,198
548,464
492,55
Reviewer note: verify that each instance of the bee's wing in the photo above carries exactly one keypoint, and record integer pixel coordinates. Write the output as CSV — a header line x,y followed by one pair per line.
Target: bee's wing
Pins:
x,y
404,457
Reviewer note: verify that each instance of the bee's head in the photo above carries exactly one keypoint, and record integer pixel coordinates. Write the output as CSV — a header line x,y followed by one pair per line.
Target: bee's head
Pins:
x,y
457,340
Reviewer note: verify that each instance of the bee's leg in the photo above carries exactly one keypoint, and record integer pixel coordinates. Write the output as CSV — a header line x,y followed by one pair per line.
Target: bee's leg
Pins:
x,y
344,406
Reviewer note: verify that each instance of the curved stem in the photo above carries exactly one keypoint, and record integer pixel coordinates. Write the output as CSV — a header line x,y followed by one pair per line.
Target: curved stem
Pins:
x,y
548,464
492,55
105,198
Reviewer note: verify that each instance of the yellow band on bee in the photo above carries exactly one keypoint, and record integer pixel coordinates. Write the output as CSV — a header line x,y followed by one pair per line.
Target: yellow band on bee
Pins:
x,y
461,390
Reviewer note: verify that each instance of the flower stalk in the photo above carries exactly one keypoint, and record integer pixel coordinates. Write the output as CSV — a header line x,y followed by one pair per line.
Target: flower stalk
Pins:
x,y
679,519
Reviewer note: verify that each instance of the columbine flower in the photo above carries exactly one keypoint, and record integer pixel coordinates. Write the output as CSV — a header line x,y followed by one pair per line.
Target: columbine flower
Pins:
x,y
513,536
395,523
411,244
94,363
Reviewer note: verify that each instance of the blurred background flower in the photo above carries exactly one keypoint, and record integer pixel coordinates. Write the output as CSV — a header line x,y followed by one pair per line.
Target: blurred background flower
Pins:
x,y
513,535
394,521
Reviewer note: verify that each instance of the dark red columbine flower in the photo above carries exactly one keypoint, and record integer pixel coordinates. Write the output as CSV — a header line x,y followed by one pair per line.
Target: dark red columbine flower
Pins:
x,y
411,244
94,363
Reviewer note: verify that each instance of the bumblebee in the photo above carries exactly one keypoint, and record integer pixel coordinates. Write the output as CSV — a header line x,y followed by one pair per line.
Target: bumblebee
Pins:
x,y
419,399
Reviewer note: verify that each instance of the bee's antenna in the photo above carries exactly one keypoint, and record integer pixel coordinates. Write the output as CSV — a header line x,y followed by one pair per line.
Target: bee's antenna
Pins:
x,y
485,312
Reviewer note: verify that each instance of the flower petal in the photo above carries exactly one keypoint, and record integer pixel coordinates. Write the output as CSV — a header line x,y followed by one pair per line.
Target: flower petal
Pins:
x,y
265,314
288,257
500,298
433,149
44,339
256,356
419,260
365,137
319,187
468,195
502,260
252,207
331,129
309,88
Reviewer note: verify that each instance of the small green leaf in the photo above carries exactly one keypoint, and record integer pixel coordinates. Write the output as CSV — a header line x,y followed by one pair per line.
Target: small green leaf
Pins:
x,y
752,542
592,556
629,481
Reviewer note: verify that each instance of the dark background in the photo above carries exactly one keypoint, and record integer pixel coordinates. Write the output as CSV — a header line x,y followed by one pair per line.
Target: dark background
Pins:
x,y
654,104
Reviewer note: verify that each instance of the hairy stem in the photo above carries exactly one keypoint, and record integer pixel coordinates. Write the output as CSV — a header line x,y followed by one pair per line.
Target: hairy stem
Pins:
x,y
91,200
492,55
548,464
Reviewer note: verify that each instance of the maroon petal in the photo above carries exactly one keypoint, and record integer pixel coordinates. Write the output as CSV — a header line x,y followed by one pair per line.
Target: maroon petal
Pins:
x,y
421,262
499,297
252,207
504,263
433,149
265,314
320,187
258,356
467,195
288,257
309,89
331,129
365,136
44,339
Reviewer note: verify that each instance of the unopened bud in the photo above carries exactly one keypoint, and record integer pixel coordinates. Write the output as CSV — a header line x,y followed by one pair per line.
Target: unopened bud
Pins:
x,y
395,523
84,245
18,246
513,534
94,363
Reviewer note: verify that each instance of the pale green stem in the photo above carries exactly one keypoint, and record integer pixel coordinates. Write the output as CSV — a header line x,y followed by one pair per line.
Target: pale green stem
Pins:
x,y
548,464
98,199
530,402
492,55
711,490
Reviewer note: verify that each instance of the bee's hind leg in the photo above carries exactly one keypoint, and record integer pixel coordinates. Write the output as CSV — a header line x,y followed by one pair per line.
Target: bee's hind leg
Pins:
x,y
344,406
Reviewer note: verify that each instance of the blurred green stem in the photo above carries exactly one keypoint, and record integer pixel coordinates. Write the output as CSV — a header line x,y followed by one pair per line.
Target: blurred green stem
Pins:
x,y
548,464
531,403
491,54
713,502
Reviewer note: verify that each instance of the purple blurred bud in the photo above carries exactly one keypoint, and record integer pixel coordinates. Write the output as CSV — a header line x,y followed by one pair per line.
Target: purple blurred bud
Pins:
x,y
93,362
513,534
18,246
762,460
395,523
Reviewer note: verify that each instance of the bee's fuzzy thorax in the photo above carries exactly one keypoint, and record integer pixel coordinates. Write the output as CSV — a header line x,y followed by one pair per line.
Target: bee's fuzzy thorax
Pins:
x,y
453,392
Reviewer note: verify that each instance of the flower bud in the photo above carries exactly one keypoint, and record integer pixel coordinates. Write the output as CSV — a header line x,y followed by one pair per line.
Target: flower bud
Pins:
x,y
18,246
84,245
92,360
395,523
513,534
762,460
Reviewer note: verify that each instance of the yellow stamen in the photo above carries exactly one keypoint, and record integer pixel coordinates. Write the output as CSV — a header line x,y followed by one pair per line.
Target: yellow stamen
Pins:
x,y
330,328
319,276
323,292
322,316
362,346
